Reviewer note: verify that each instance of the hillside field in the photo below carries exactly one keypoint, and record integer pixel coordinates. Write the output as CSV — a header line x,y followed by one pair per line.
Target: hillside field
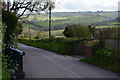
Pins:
x,y
61,19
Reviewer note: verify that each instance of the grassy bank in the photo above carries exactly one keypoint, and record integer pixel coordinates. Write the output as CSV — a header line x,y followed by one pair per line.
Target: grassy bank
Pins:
x,y
107,59
59,45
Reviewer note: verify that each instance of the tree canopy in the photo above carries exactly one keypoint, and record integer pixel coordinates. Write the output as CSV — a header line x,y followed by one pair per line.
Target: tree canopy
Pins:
x,y
77,30
12,11
21,7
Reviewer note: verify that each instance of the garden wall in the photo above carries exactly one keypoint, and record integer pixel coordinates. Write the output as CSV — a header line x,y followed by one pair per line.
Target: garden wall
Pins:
x,y
112,44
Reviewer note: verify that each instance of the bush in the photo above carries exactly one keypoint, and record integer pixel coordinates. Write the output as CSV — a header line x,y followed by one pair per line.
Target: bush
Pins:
x,y
77,30
54,45
5,71
92,30
58,45
91,43
11,21
107,59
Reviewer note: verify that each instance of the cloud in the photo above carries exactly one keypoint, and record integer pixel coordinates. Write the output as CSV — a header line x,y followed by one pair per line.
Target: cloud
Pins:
x,y
86,5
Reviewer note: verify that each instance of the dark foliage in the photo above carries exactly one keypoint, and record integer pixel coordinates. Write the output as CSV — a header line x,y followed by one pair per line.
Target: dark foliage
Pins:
x,y
77,30
107,59
10,20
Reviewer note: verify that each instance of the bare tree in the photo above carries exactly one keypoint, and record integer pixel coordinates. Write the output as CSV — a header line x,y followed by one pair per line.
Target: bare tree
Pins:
x,y
21,7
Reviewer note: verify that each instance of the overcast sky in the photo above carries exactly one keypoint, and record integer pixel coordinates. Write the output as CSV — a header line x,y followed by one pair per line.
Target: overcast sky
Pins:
x,y
86,5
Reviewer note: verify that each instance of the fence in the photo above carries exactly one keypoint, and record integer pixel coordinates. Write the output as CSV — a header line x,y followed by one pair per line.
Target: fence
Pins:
x,y
112,44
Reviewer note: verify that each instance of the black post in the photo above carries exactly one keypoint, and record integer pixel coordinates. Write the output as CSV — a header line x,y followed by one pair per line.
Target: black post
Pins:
x,y
50,23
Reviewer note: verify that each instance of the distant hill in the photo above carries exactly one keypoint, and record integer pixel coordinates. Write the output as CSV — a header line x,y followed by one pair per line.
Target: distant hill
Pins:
x,y
61,19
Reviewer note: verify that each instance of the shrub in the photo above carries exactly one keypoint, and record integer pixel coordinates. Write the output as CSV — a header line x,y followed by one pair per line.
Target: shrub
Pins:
x,y
5,71
107,59
68,32
92,30
58,45
77,30
10,20
91,43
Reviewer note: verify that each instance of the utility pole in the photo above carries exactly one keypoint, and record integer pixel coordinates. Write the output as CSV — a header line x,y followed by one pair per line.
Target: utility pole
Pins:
x,y
1,40
29,34
29,30
50,23
118,43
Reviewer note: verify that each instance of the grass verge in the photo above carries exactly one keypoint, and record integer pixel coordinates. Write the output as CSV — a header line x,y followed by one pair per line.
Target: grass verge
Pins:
x,y
59,45
106,59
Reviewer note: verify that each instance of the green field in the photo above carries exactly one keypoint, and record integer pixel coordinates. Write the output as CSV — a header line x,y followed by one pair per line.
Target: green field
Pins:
x,y
105,26
61,19
39,18
79,19
28,25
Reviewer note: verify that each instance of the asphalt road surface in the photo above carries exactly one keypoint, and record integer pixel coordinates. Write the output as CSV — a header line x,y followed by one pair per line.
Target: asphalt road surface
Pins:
x,y
39,63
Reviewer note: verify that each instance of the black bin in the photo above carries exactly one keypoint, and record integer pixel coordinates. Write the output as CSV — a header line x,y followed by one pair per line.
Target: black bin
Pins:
x,y
16,59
